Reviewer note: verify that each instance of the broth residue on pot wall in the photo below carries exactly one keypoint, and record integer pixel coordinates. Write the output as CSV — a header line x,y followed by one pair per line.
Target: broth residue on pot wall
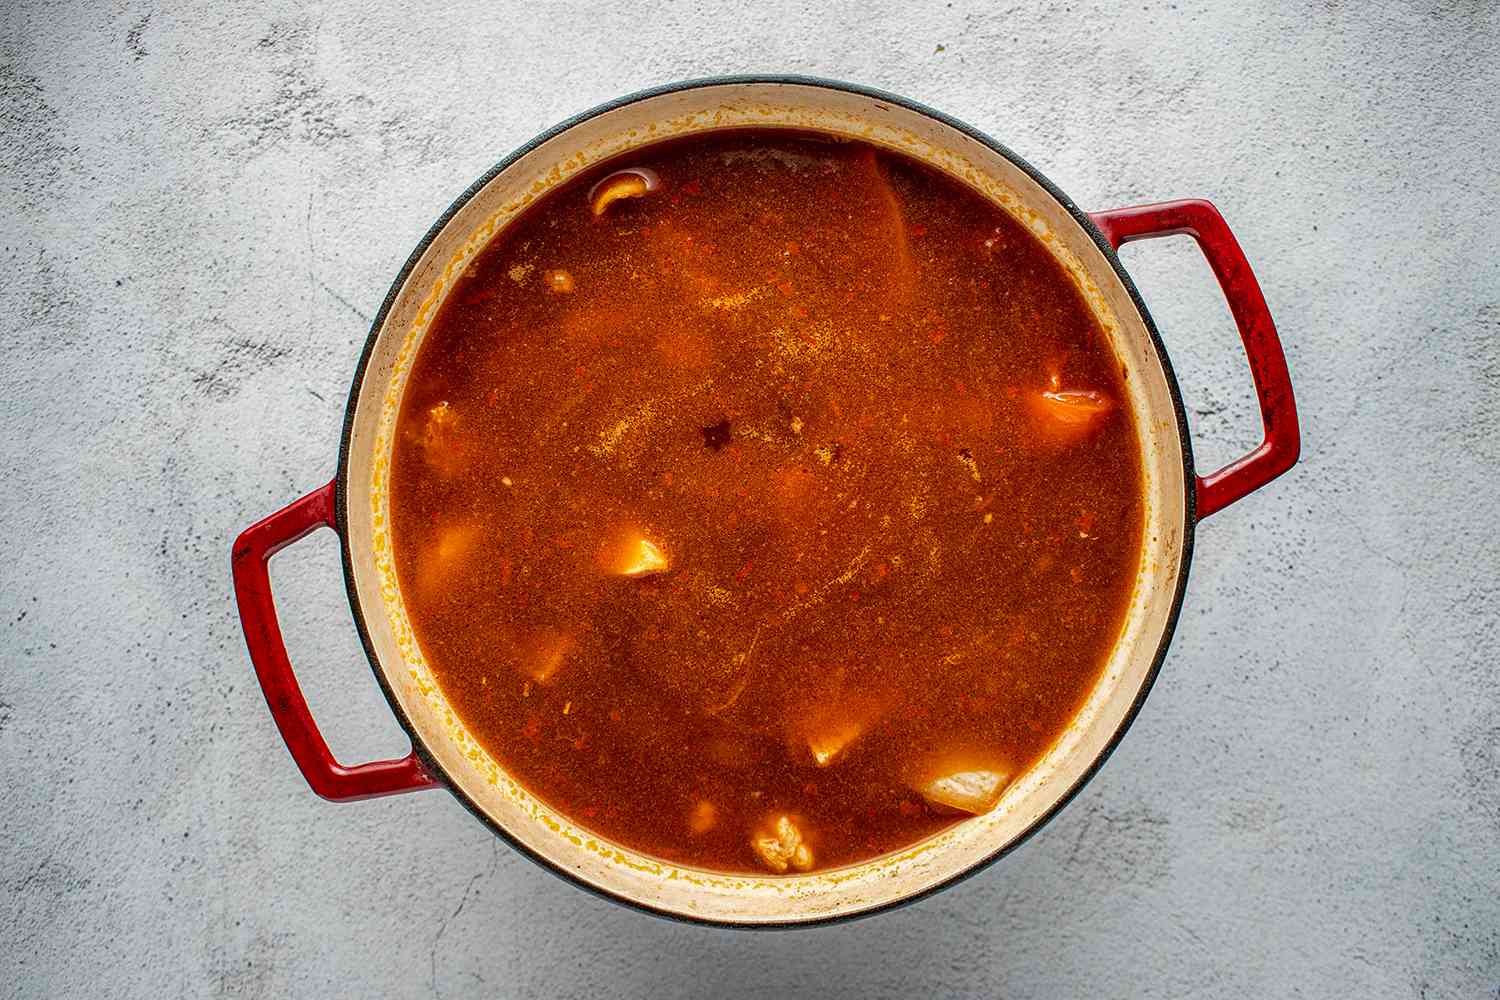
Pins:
x,y
772,514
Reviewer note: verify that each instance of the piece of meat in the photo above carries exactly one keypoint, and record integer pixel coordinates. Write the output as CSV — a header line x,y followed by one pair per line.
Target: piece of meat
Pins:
x,y
780,847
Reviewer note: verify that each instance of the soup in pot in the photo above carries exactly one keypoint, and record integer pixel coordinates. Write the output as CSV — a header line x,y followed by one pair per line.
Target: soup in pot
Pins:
x,y
766,502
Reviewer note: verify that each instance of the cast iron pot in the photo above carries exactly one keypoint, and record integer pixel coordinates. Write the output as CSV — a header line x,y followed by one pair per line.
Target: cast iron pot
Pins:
x,y
356,503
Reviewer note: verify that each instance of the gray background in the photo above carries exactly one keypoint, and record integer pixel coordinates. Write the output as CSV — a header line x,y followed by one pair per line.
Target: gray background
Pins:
x,y
201,207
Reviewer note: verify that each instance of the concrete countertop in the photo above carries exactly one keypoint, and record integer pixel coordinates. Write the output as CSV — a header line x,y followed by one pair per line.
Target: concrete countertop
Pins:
x,y
202,205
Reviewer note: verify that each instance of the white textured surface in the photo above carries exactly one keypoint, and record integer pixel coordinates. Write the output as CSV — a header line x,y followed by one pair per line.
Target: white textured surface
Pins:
x,y
201,206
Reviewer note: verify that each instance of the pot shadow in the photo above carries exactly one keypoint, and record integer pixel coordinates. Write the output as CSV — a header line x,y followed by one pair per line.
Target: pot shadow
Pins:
x,y
948,945
1050,919
1041,922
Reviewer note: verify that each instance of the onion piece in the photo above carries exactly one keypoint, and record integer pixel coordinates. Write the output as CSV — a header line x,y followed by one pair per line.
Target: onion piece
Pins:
x,y
1075,407
648,560
631,553
968,788
1067,414
632,182
829,731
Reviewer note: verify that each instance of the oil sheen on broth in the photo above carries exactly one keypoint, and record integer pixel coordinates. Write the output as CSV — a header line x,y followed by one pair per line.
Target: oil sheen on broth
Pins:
x,y
769,505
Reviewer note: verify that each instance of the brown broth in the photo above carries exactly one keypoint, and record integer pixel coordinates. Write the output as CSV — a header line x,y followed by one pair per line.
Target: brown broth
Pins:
x,y
874,432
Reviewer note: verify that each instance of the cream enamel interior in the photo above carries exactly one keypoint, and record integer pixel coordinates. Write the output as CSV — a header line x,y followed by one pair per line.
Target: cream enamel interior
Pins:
x,y
591,859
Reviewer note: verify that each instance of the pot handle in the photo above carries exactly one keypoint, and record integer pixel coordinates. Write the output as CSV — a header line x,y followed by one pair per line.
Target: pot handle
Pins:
x,y
252,590
1279,449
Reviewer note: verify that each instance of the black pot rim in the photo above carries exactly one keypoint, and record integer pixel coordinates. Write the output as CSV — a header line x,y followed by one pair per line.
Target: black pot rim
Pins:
x,y
1189,479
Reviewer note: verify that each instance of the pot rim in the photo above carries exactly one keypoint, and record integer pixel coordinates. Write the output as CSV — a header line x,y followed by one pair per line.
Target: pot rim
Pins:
x,y
341,513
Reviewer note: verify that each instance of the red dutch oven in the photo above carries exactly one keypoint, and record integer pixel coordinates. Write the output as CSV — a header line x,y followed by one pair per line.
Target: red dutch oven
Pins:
x,y
356,503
